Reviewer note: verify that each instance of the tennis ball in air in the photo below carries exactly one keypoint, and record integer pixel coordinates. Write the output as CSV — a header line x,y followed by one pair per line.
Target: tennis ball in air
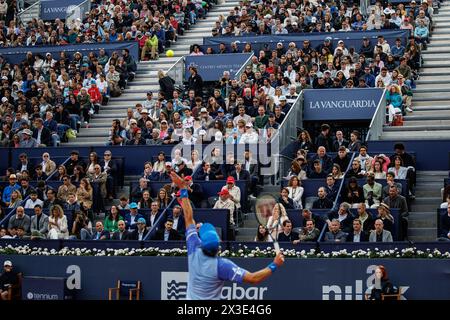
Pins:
x,y
169,53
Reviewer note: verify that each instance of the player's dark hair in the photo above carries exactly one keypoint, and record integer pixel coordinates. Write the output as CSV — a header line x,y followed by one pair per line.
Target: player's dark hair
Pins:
x,y
210,253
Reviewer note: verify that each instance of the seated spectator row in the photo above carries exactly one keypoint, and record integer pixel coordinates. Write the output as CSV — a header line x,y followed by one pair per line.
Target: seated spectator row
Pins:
x,y
38,223
399,165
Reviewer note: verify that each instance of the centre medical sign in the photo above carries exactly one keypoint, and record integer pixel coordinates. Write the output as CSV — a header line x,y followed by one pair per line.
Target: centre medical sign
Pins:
x,y
340,104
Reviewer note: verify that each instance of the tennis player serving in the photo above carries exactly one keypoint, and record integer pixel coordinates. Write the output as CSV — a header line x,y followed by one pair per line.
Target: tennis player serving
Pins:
x,y
207,271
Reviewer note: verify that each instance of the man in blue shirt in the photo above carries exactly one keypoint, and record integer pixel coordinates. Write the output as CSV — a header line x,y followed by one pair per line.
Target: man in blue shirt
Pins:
x,y
6,198
207,271
398,50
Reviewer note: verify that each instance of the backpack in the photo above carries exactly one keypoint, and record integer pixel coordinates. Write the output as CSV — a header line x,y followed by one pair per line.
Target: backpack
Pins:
x,y
71,134
397,121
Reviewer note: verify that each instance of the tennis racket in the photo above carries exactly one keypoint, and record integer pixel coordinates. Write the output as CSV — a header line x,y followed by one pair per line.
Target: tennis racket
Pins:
x,y
269,216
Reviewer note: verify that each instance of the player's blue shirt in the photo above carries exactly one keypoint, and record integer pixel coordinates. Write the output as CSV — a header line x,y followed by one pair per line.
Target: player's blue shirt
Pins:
x,y
207,275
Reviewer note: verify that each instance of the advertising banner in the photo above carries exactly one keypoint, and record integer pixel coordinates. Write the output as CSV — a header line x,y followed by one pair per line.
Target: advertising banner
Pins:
x,y
43,288
166,278
340,104
351,39
17,54
52,9
211,67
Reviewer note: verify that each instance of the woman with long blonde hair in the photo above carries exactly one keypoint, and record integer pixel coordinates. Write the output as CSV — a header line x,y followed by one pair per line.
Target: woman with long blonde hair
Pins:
x,y
275,222
57,223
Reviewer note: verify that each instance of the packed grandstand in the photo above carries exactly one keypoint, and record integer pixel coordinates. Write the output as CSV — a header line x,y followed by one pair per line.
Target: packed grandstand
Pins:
x,y
96,113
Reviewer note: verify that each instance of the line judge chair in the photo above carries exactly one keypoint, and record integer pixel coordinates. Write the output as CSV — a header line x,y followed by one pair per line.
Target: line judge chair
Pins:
x,y
126,289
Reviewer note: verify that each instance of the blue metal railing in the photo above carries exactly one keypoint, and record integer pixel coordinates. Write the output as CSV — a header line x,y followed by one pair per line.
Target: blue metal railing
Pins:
x,y
49,178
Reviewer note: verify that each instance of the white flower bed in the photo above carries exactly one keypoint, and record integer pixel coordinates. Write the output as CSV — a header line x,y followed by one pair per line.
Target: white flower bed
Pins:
x,y
244,252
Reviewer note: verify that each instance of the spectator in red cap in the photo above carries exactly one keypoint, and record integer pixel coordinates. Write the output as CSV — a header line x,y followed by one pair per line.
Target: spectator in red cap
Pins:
x,y
235,192
195,192
224,202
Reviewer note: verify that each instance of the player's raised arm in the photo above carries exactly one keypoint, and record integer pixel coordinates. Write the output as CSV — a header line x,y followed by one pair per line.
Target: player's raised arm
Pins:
x,y
261,275
185,202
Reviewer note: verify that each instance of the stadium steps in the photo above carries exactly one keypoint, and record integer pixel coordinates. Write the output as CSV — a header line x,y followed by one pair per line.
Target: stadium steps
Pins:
x,y
422,217
29,13
431,100
146,79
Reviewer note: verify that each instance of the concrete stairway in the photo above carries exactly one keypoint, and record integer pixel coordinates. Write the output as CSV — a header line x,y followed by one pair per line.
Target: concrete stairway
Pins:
x,y
422,218
31,11
431,100
146,79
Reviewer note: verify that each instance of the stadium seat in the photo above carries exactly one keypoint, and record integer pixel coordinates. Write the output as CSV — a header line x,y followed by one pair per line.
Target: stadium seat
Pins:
x,y
395,296
126,289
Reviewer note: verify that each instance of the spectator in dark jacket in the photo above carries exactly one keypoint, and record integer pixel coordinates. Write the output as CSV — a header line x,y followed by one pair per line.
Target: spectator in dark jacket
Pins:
x,y
342,158
324,139
122,233
195,81
344,216
168,233
100,233
287,235
41,133
166,85
357,234
325,160
323,202
444,230
195,191
284,199
205,174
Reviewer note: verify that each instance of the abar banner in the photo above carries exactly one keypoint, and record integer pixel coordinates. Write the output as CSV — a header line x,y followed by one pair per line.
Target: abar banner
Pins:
x,y
340,104
52,9
166,277
17,55
211,67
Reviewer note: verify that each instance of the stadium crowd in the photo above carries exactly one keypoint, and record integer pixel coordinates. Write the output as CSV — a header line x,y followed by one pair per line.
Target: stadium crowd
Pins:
x,y
45,99
67,90
151,23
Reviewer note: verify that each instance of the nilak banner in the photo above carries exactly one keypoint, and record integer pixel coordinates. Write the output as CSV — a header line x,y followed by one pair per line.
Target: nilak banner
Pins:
x,y
211,67
52,9
340,104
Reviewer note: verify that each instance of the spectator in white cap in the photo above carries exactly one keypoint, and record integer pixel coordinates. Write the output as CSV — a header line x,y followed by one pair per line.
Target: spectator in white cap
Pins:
x,y
27,140
7,279
49,62
282,102
292,95
249,136
201,136
341,46
205,119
